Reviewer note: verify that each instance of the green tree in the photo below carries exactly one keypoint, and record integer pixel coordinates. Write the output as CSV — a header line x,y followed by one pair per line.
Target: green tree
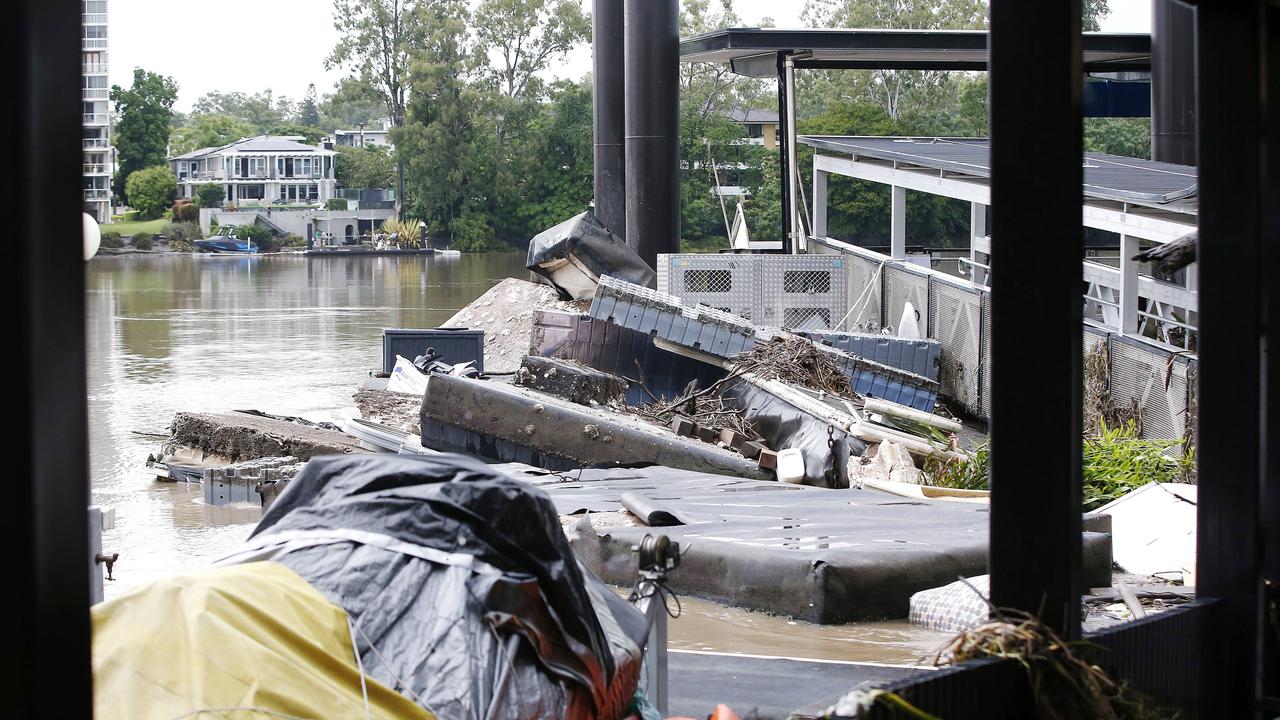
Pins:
x,y
364,167
142,132
351,104
556,180
210,195
439,145
202,131
378,39
151,190
1127,137
1094,12
261,111
525,36
309,111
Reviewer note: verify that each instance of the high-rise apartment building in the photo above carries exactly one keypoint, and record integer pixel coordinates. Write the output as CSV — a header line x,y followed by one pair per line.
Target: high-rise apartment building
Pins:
x,y
99,157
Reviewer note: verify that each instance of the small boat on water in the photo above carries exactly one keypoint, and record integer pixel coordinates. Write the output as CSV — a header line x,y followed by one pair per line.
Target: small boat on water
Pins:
x,y
226,244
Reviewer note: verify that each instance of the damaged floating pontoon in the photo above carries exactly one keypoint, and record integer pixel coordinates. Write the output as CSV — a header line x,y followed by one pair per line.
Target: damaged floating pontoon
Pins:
x,y
574,255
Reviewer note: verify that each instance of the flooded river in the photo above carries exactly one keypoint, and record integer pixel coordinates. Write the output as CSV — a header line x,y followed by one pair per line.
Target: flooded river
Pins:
x,y
294,336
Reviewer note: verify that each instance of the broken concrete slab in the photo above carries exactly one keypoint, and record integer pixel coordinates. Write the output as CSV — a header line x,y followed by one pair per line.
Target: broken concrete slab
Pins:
x,y
508,423
886,461
239,437
571,381
505,313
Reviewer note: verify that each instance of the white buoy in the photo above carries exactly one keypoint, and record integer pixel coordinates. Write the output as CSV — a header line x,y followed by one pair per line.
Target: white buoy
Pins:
x,y
791,466
908,326
92,235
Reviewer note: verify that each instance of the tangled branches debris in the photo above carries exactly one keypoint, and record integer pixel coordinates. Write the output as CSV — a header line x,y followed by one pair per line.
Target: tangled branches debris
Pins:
x,y
1064,683
796,361
703,406
1100,409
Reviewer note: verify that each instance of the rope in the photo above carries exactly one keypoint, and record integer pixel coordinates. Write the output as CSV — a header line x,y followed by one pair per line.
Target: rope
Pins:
x,y
866,292
364,685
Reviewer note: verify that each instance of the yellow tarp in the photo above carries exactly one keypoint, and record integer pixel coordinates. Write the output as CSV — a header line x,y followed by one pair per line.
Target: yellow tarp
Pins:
x,y
247,641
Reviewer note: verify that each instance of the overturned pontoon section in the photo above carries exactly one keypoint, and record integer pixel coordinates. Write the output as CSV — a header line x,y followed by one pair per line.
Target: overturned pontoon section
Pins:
x,y
514,424
724,335
825,556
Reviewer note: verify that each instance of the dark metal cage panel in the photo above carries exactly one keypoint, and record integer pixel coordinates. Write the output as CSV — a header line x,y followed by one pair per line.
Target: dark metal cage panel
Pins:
x,y
1153,379
955,318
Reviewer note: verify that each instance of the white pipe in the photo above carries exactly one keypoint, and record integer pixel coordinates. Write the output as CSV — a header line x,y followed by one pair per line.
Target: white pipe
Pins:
x,y
893,409
793,222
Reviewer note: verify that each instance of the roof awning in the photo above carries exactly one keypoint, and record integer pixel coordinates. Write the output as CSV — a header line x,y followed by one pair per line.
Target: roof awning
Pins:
x,y
754,51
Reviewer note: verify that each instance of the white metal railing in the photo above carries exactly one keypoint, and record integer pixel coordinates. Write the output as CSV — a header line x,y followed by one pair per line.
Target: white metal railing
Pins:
x,y
95,143
95,168
96,193
93,43
95,118
95,93
91,68
1170,311
93,18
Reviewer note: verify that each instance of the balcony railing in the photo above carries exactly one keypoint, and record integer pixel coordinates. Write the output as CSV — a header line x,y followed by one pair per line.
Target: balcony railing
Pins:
x,y
95,168
90,68
95,93
93,43
95,118
95,144
97,194
93,18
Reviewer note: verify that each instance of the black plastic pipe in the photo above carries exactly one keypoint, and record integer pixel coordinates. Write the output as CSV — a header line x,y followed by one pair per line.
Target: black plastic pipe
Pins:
x,y
608,110
652,52
1173,82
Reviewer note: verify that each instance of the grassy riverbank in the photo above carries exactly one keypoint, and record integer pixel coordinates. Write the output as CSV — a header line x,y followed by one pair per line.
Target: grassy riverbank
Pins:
x,y
129,229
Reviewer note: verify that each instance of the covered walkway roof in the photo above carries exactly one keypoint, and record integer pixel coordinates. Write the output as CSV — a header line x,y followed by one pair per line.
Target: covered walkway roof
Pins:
x,y
1106,177
754,51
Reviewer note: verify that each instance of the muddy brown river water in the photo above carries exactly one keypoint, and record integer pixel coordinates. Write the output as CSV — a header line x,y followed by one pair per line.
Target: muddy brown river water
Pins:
x,y
294,336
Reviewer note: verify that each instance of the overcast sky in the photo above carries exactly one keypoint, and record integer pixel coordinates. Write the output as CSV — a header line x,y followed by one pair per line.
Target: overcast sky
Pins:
x,y
252,45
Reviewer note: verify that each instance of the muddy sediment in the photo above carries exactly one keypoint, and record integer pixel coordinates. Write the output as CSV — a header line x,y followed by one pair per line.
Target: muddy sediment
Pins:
x,y
398,410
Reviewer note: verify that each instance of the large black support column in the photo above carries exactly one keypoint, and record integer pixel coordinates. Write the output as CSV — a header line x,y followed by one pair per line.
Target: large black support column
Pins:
x,y
1037,242
608,110
1173,82
1232,429
652,40
1269,658
46,517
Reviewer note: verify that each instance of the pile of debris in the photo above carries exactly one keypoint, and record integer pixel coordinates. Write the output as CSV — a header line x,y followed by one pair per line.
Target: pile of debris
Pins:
x,y
644,378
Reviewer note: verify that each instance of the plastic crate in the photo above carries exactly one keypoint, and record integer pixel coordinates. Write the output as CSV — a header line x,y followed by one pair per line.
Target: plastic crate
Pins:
x,y
455,345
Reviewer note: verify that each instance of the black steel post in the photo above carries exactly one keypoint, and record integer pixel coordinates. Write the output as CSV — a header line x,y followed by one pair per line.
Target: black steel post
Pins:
x,y
652,52
1232,429
608,111
1037,242
1173,82
47,562
1269,658
785,172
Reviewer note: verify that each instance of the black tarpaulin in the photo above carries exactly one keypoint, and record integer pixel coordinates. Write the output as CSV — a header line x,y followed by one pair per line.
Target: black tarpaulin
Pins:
x,y
463,592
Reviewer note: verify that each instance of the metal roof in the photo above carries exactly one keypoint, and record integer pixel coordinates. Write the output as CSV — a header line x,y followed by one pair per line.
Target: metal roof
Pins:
x,y
1107,177
754,116
753,51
